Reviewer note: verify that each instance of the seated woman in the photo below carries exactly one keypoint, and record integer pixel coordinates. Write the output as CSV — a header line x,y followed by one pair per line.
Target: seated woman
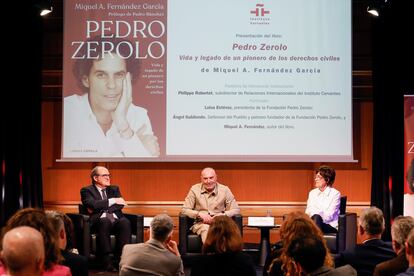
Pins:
x,y
297,224
222,251
37,219
323,201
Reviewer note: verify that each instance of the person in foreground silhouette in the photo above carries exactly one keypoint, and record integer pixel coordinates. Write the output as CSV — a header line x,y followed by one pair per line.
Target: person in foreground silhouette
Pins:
x,y
223,251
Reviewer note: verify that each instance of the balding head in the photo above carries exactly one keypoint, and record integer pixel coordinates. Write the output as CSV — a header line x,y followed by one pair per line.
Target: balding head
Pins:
x,y
209,179
23,251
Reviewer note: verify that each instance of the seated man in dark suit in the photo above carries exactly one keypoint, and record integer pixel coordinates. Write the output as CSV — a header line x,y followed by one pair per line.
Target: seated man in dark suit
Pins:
x,y
400,229
372,251
104,203
309,254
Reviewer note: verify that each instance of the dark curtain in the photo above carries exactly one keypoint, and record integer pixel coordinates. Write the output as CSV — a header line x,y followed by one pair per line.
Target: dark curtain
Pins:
x,y
393,77
21,180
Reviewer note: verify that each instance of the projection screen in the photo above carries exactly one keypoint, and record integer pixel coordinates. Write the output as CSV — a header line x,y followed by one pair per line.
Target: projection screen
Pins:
x,y
213,80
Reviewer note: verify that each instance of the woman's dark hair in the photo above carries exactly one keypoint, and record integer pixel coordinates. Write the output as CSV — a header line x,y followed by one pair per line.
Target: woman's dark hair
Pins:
x,y
37,219
328,173
223,236
297,224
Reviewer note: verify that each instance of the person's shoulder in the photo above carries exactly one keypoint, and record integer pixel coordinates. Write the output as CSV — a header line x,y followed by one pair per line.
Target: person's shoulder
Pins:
x,y
223,186
88,187
314,191
244,256
133,247
74,99
335,191
346,270
349,253
57,270
196,186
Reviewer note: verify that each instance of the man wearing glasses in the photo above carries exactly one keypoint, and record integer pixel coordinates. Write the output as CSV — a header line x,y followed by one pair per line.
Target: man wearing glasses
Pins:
x,y
104,204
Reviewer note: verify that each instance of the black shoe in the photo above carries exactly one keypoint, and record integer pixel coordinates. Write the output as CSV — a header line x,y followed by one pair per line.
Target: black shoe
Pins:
x,y
110,268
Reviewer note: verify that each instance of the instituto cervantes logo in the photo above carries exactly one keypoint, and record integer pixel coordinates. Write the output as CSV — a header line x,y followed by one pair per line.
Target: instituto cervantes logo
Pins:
x,y
260,15
260,11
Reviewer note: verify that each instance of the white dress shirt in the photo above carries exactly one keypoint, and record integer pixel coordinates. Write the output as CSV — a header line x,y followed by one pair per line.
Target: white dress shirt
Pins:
x,y
326,204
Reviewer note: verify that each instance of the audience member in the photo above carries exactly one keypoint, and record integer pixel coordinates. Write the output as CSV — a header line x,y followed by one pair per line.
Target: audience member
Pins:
x,y
309,255
222,251
207,200
158,256
399,233
105,203
37,219
364,257
22,252
296,225
409,253
324,201
78,264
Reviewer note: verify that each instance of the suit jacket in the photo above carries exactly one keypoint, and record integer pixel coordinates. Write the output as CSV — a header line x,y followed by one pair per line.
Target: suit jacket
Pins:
x,y
149,258
92,200
339,271
392,267
364,257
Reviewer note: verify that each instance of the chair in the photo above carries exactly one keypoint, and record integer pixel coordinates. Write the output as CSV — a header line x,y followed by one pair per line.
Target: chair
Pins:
x,y
347,227
189,243
86,242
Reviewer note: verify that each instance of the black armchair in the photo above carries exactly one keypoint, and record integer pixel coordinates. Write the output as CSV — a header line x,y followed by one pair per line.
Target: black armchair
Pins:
x,y
189,243
85,241
347,227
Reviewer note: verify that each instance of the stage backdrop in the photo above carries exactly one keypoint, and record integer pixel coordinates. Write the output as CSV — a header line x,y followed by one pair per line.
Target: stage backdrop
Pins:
x,y
409,155
230,80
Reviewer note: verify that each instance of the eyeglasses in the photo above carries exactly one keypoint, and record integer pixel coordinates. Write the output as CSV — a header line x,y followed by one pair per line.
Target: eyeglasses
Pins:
x,y
105,175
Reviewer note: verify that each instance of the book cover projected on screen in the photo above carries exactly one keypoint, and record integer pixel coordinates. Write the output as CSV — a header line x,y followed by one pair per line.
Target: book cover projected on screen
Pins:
x,y
207,81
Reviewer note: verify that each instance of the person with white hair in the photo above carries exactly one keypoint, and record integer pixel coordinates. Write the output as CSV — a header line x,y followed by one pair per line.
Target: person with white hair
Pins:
x,y
409,254
158,256
372,251
400,229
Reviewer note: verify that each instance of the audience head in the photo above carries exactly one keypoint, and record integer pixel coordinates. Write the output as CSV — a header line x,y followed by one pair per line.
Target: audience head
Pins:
x,y
23,251
307,251
161,227
58,222
209,179
37,219
399,231
409,248
371,222
327,174
223,236
296,225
